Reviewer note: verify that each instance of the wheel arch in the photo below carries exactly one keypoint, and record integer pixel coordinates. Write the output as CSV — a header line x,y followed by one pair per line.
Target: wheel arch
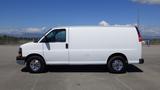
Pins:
x,y
118,54
35,54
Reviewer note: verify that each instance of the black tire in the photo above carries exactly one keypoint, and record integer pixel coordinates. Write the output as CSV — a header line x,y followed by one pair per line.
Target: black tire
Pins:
x,y
35,61
113,67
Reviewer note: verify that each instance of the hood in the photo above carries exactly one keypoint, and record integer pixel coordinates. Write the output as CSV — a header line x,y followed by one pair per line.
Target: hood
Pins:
x,y
26,44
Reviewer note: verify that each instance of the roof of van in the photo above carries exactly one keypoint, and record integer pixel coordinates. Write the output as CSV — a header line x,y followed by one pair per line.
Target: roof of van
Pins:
x,y
93,27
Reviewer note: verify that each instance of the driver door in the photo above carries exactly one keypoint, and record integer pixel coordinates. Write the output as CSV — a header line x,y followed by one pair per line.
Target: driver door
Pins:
x,y
55,47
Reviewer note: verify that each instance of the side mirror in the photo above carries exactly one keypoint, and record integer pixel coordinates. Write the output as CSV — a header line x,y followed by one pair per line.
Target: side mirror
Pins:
x,y
46,39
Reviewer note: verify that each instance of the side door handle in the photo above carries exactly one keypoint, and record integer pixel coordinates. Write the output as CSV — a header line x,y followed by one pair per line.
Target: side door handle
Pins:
x,y
66,45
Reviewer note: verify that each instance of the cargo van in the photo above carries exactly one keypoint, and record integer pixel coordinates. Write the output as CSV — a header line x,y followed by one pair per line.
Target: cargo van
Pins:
x,y
115,47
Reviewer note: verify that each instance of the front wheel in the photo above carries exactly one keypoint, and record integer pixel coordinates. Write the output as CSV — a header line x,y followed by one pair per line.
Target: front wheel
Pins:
x,y
35,64
117,64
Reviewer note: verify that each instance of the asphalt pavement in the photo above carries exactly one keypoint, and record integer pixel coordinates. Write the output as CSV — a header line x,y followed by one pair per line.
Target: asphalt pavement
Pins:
x,y
96,77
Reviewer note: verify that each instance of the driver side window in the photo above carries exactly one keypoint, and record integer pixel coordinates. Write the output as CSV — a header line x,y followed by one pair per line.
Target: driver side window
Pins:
x,y
58,35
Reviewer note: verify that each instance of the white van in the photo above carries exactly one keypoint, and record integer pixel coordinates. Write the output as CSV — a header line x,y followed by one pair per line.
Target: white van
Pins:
x,y
88,45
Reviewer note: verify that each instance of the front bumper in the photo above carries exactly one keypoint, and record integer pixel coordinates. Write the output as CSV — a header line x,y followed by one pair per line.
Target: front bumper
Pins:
x,y
20,60
141,61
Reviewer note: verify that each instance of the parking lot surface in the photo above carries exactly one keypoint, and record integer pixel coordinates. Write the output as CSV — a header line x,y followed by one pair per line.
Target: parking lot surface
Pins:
x,y
95,77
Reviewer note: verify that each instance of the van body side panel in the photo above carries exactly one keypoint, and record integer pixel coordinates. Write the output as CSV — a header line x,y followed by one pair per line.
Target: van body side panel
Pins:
x,y
84,47
95,45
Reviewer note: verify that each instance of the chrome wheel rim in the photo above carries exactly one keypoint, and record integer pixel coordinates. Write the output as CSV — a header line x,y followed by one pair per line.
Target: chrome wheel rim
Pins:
x,y
35,65
117,65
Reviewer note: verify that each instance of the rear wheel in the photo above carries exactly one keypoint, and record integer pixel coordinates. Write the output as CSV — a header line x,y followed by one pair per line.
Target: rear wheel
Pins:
x,y
117,64
35,64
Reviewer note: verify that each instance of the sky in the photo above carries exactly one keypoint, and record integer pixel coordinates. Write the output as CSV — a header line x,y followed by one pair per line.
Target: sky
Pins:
x,y
36,15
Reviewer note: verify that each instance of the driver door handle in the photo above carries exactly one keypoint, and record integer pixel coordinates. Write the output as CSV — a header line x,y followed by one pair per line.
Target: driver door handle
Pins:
x,y
66,45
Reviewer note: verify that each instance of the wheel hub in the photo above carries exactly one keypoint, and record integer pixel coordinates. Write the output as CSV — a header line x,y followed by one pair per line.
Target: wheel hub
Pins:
x,y
35,65
117,65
